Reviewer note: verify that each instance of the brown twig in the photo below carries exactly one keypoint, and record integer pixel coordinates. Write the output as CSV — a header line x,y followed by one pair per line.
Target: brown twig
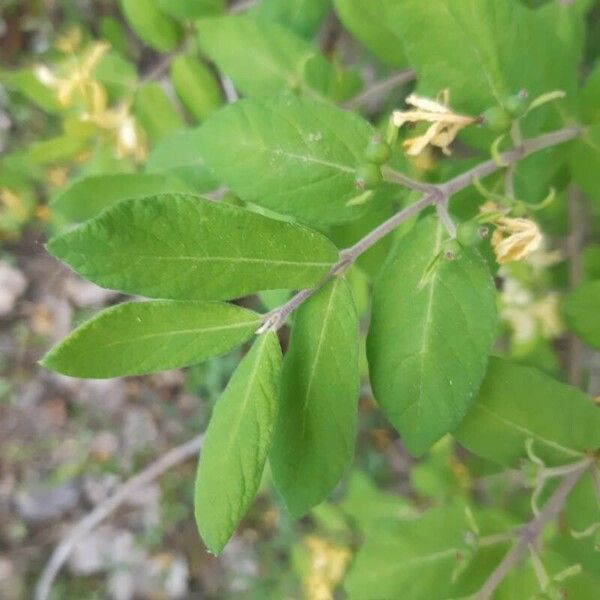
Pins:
x,y
436,194
132,486
573,246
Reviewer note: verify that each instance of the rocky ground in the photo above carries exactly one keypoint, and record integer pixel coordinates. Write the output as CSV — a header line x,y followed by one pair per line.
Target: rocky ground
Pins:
x,y
66,444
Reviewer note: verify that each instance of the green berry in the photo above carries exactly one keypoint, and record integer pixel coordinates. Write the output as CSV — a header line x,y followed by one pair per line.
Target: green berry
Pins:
x,y
451,249
471,233
497,119
516,105
368,176
378,151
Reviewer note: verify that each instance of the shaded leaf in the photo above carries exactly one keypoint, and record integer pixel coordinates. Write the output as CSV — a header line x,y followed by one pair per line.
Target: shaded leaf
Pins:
x,y
191,9
585,163
301,16
196,86
155,111
177,155
486,39
152,26
582,312
276,63
370,22
416,559
85,198
517,404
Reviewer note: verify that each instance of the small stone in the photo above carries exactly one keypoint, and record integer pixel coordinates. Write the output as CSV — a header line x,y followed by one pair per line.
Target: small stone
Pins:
x,y
104,446
85,294
139,431
98,488
42,503
12,287
11,584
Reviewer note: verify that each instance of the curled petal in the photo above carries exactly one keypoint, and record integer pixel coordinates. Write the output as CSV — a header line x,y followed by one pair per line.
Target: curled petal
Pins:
x,y
515,239
445,124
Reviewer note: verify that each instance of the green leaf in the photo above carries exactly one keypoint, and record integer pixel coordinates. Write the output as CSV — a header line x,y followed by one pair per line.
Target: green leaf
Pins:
x,y
151,25
301,16
27,83
370,507
112,29
237,443
582,508
116,74
485,39
517,404
262,58
430,334
585,163
582,312
155,112
370,23
55,150
589,97
184,247
314,437
196,86
191,9
306,153
85,198
177,155
416,559
143,337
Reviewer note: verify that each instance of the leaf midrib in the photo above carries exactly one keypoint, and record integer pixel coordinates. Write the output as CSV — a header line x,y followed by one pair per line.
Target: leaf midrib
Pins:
x,y
427,322
172,333
232,259
528,432
322,336
249,389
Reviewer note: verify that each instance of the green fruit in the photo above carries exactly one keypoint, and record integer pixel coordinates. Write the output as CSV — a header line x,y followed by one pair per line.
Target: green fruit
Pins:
x,y
471,233
451,249
516,105
368,176
378,151
497,119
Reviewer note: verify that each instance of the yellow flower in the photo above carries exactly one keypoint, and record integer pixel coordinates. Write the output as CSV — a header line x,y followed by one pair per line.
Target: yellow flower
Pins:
x,y
445,124
13,203
515,239
118,121
88,95
78,83
69,41
57,177
327,563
